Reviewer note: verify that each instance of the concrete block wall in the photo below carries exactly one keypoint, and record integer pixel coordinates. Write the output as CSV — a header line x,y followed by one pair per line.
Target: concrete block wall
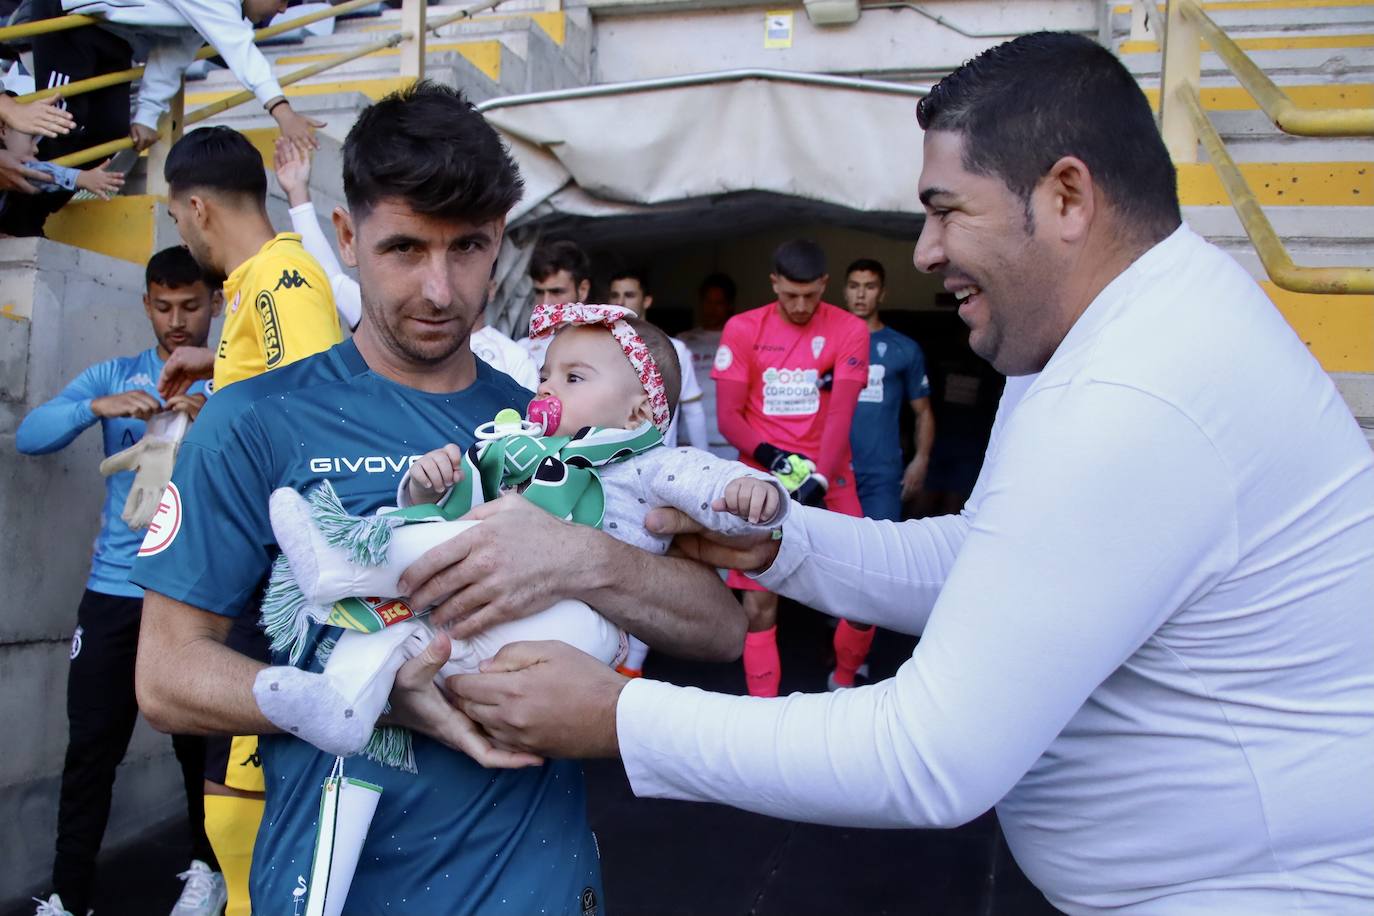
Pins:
x,y
61,309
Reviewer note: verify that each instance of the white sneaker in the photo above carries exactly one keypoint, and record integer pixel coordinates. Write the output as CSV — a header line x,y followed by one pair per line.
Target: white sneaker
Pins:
x,y
53,907
204,893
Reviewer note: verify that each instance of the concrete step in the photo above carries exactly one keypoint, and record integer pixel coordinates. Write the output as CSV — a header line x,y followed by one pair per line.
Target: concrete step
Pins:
x,y
1326,37
1349,230
1326,62
1251,137
1224,94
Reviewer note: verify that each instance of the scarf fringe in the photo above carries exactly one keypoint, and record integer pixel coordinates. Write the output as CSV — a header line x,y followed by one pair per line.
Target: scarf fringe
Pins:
x,y
365,539
392,746
286,617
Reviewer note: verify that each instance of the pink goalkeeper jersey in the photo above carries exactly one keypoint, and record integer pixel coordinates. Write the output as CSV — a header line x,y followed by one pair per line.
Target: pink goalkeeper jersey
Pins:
x,y
785,365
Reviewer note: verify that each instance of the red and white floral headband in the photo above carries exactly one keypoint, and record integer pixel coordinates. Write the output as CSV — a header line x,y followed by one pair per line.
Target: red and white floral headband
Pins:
x,y
547,319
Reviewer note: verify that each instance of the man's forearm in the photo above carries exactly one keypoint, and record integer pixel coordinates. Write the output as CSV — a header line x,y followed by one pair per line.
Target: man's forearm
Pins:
x,y
188,682
675,605
925,434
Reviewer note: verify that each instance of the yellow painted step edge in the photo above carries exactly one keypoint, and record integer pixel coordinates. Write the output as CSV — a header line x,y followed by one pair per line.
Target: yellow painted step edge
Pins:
x,y
485,55
1283,184
1271,43
121,227
374,89
554,24
1235,98
1228,5
1339,330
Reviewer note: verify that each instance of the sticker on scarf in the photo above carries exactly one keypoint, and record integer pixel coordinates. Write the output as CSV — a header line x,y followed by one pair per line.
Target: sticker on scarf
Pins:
x,y
791,392
368,615
162,530
873,391
346,809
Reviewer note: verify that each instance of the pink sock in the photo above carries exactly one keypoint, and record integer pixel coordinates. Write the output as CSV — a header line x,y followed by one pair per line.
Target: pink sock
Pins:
x,y
851,648
762,668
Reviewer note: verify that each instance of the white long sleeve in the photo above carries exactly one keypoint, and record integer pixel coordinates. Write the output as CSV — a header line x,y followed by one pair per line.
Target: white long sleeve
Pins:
x,y
972,710
694,419
169,54
222,25
348,298
1153,649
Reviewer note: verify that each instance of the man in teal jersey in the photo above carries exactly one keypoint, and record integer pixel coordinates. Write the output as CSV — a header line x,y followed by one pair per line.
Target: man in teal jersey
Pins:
x,y
428,185
120,394
896,376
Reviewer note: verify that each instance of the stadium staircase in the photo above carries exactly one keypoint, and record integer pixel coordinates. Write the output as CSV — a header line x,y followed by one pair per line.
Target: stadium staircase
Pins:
x,y
1318,192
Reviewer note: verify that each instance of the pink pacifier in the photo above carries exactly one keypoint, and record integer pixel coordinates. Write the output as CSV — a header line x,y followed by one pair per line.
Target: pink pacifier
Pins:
x,y
547,412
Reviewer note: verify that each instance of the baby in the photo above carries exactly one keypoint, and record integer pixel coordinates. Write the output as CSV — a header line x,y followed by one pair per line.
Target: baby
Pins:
x,y
589,451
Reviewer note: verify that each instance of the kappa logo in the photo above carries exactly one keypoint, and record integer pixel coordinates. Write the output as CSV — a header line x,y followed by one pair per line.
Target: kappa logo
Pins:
x,y
272,346
291,279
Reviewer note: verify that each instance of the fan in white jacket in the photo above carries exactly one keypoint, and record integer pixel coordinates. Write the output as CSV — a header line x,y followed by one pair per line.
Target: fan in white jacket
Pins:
x,y
174,30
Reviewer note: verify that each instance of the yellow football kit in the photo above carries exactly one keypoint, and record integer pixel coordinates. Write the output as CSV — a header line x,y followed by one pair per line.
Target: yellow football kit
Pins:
x,y
278,308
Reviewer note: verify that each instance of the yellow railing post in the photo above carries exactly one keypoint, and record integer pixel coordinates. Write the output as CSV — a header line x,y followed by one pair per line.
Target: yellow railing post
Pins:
x,y
413,48
169,132
1182,68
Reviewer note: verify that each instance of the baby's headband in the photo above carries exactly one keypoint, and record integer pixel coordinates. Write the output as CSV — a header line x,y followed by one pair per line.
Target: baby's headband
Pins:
x,y
547,319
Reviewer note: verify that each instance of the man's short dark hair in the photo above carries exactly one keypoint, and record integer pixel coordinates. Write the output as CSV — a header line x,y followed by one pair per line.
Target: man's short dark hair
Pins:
x,y
870,265
428,146
721,282
551,257
174,268
1023,105
216,159
800,260
633,273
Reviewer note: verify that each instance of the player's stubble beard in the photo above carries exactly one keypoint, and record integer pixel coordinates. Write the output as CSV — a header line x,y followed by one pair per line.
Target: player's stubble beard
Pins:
x,y
388,326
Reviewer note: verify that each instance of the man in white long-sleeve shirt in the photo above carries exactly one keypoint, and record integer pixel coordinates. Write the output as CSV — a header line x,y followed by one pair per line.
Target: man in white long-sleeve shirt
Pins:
x,y
1148,639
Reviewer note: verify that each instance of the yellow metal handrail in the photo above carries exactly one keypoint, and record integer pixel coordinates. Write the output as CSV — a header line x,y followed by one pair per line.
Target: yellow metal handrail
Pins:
x,y
1272,254
200,114
1287,115
128,76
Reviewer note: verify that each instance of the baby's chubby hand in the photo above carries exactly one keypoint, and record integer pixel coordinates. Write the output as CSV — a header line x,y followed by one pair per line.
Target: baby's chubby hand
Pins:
x,y
754,500
432,474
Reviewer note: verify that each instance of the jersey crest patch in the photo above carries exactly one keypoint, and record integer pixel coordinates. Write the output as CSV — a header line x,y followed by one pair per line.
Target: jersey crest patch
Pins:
x,y
817,345
882,349
272,347
162,530
291,279
724,358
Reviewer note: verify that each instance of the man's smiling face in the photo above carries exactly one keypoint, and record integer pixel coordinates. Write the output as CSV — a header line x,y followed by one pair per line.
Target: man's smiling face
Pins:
x,y
982,239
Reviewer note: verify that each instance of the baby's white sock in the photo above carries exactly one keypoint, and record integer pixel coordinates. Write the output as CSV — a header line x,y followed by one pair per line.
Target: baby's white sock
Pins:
x,y
336,710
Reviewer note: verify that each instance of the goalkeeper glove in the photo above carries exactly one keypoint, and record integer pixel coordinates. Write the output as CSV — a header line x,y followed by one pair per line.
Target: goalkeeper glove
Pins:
x,y
796,472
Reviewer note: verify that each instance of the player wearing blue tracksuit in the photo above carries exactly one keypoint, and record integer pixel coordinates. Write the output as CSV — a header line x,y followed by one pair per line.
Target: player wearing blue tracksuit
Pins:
x,y
101,707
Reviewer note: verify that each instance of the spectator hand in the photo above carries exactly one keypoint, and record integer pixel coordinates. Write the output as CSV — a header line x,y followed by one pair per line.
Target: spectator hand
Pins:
x,y
185,367
15,175
143,136
914,477
135,404
418,704
545,698
297,128
46,117
100,182
748,552
292,165
520,560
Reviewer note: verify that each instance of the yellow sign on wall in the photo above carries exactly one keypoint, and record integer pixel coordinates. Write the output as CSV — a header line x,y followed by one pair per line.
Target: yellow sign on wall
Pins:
x,y
777,29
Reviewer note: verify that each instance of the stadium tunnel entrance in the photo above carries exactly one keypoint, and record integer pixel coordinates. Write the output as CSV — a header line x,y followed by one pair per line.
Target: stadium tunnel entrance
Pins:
x,y
686,177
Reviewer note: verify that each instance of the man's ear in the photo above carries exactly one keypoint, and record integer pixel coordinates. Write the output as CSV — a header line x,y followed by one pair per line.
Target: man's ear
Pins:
x,y
583,289
343,229
199,209
648,301
147,306
216,303
1069,192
